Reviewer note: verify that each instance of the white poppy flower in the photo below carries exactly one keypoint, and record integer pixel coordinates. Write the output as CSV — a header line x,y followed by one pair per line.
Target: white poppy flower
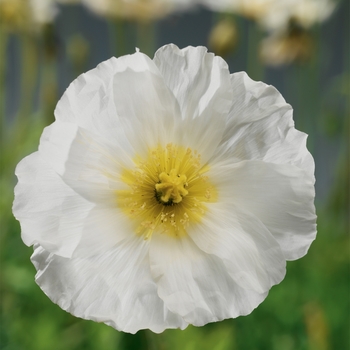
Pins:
x,y
166,193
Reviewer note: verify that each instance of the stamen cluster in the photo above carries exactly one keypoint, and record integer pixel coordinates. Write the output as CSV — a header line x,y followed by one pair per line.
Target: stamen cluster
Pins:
x,y
166,191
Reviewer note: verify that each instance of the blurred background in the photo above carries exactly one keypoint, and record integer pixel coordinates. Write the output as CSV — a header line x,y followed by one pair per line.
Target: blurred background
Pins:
x,y
299,46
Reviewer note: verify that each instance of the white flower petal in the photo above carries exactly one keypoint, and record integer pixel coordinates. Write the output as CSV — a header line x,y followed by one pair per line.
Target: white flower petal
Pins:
x,y
260,126
103,228
85,95
115,287
88,104
55,144
251,255
49,211
53,215
88,162
92,165
145,104
119,97
88,92
200,82
280,195
196,285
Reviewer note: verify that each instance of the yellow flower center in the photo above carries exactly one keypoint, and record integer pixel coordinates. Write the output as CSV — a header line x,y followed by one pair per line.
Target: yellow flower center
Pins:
x,y
171,188
166,192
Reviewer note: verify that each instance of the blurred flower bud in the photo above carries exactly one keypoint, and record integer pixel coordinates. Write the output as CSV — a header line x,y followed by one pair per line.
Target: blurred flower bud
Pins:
x,y
26,16
223,37
15,15
51,42
78,52
316,326
286,48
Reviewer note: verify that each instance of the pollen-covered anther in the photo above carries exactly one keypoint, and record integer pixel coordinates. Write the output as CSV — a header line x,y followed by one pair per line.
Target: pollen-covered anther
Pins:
x,y
171,188
166,192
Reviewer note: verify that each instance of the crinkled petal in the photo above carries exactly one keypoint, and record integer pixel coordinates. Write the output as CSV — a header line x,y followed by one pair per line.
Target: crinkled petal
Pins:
x,y
115,287
200,82
251,255
49,211
87,161
92,90
281,196
93,168
103,228
90,166
122,99
55,144
87,107
260,126
53,215
146,108
196,285
85,95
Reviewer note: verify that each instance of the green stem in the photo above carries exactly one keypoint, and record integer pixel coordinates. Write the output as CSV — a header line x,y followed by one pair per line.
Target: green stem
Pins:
x,y
255,68
48,90
3,46
29,73
117,37
142,340
18,130
308,91
48,77
146,37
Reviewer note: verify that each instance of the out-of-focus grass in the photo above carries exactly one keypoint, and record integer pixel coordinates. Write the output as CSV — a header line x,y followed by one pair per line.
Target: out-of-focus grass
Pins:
x,y
308,310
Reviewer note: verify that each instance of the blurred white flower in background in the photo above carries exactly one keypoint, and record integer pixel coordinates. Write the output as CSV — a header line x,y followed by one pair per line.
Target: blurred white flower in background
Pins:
x,y
167,192
289,39
26,15
251,9
304,13
275,15
143,10
309,12
286,22
44,11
